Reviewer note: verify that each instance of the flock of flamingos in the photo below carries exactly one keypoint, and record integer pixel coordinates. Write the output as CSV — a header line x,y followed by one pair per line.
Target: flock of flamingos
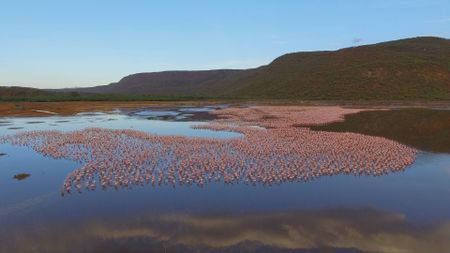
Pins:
x,y
277,146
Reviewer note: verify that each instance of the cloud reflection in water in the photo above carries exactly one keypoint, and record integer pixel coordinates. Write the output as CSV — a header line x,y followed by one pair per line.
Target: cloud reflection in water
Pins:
x,y
332,230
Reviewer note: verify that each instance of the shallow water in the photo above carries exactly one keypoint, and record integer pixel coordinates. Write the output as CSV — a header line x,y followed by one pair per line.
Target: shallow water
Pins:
x,y
111,121
399,211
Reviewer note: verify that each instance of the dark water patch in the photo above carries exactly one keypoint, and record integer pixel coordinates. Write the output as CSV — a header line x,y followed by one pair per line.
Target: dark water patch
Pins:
x,y
201,116
62,121
165,118
34,122
424,129
5,123
15,128
21,176
2,154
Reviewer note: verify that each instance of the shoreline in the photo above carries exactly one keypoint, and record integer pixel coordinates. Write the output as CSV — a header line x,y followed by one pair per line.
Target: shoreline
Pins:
x,y
34,109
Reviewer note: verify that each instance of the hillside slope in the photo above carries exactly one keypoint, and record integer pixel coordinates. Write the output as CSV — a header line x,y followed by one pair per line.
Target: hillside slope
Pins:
x,y
408,69
170,83
405,69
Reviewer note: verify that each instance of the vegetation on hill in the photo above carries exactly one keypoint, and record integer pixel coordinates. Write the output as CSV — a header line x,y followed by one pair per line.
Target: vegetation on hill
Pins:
x,y
75,96
416,68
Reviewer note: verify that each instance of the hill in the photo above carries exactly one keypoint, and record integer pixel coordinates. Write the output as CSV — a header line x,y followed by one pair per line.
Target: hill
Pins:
x,y
408,69
169,83
416,68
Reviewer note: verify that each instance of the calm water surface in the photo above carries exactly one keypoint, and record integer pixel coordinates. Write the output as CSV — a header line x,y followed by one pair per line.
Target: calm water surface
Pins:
x,y
405,210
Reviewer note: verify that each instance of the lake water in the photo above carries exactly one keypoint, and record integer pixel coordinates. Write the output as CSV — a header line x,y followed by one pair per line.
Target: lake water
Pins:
x,y
399,212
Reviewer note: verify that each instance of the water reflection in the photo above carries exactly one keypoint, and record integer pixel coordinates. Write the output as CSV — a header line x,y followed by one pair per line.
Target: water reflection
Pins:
x,y
327,230
424,129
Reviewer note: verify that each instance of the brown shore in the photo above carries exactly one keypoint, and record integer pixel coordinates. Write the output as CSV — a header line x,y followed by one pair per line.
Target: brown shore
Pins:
x,y
29,109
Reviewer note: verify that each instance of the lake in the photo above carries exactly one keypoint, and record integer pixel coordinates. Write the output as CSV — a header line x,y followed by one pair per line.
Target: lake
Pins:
x,y
407,210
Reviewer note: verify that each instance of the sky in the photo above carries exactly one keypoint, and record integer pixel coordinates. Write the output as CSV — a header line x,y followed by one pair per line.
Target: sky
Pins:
x,y
62,43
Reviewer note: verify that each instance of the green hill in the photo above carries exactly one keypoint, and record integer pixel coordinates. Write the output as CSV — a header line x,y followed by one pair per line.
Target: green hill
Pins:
x,y
416,68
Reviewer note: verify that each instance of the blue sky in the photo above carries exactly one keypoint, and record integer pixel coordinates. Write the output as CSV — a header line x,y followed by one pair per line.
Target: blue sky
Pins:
x,y
59,43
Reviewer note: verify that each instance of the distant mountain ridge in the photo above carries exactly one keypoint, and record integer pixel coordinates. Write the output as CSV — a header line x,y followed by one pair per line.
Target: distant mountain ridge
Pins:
x,y
415,68
168,83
